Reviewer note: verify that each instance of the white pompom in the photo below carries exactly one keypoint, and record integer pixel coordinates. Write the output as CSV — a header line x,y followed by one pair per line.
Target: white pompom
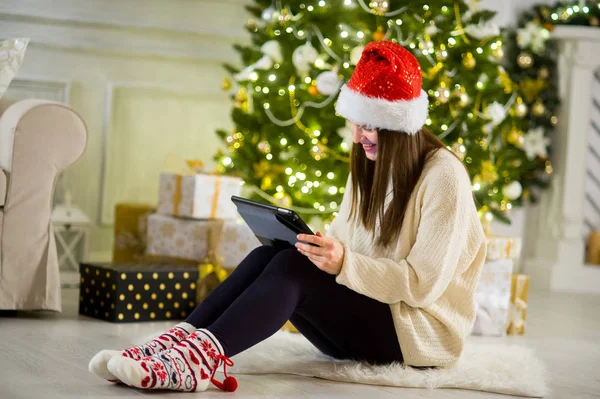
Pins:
x,y
512,190
496,112
272,48
244,74
303,57
328,83
269,14
355,54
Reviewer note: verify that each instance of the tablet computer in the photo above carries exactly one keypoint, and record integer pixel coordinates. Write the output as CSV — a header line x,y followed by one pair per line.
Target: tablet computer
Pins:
x,y
272,225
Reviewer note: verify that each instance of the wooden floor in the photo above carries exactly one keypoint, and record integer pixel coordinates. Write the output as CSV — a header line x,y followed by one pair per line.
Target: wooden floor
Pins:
x,y
46,356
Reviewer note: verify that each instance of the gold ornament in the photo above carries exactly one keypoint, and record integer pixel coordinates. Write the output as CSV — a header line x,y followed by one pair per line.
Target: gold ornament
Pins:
x,y
379,34
554,120
264,147
379,7
531,88
594,21
261,168
521,110
226,84
498,54
548,167
538,108
283,199
266,182
464,99
469,61
241,100
444,95
544,73
515,137
313,91
251,26
525,60
488,172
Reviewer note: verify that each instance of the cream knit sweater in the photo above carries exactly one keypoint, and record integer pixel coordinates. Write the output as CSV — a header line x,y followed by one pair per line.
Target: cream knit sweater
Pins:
x,y
429,277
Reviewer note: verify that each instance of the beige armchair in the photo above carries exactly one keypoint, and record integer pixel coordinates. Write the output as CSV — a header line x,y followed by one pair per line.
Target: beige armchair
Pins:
x,y
38,139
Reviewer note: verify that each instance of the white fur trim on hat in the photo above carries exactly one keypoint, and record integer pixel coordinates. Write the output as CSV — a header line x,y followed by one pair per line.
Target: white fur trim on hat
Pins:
x,y
407,116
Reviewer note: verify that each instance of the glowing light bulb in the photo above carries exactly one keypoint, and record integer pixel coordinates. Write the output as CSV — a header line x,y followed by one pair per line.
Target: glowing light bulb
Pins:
x,y
269,156
346,65
272,77
288,171
318,173
360,35
265,90
307,79
344,145
332,190
253,76
479,50
226,161
489,216
476,186
314,141
319,63
267,105
322,3
310,8
317,133
398,22
322,208
554,16
333,204
304,189
291,88
344,34
462,148
509,206
281,92
347,2
279,189
301,141
585,10
315,148
451,41
283,141
479,85
444,127
300,33
330,175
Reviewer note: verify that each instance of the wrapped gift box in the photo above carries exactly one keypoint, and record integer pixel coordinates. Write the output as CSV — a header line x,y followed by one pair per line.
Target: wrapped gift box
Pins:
x,y
200,196
499,247
130,231
125,292
173,237
237,241
518,304
493,298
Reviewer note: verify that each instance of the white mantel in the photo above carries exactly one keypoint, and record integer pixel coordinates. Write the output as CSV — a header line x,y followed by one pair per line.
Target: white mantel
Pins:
x,y
558,262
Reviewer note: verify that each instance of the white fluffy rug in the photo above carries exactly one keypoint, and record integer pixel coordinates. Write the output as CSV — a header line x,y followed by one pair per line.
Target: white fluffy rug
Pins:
x,y
499,368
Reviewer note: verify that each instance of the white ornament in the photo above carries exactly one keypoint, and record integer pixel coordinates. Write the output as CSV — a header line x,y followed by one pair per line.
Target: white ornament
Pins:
x,y
534,36
496,113
272,48
483,30
303,57
534,143
355,54
264,63
269,14
512,190
328,83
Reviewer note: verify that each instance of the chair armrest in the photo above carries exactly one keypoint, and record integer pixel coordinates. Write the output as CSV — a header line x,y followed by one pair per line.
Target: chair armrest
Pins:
x,y
3,187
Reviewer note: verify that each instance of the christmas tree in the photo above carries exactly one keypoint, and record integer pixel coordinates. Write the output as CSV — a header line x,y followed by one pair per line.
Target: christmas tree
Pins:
x,y
291,146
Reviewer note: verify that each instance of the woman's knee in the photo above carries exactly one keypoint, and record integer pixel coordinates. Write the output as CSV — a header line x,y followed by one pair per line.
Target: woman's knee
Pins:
x,y
291,263
258,258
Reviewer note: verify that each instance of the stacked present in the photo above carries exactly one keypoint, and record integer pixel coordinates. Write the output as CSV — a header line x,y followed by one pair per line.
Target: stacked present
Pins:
x,y
196,227
501,295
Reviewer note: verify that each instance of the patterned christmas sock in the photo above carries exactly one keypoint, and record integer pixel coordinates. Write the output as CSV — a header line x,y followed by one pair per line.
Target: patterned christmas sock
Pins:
x,y
188,366
178,333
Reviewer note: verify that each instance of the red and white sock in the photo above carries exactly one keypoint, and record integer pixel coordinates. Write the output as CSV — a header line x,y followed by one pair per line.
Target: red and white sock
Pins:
x,y
165,341
188,366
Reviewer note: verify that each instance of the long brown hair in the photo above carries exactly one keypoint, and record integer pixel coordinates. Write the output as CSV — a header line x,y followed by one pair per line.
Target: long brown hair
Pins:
x,y
400,156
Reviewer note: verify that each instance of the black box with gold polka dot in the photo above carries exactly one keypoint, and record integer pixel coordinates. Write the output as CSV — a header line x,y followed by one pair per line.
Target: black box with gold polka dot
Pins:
x,y
124,292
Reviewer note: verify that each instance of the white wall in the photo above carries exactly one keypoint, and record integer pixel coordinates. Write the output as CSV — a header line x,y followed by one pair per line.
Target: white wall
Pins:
x,y
508,10
158,62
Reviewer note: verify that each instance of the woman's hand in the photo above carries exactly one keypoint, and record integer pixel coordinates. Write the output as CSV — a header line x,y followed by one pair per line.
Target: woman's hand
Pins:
x,y
328,256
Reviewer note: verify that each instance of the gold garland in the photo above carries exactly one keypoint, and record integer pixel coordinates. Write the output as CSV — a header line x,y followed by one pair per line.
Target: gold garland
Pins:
x,y
459,22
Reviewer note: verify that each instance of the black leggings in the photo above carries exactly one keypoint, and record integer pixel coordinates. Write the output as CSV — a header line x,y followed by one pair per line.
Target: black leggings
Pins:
x,y
271,286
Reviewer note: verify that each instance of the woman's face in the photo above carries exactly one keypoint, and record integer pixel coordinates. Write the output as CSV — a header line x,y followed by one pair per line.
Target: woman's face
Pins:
x,y
367,137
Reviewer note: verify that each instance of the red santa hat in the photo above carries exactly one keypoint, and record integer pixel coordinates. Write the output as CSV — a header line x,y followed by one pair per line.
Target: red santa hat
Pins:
x,y
385,90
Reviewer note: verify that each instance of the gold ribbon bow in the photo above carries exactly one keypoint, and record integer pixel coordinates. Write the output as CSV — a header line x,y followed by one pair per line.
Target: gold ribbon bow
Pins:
x,y
518,305
210,270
